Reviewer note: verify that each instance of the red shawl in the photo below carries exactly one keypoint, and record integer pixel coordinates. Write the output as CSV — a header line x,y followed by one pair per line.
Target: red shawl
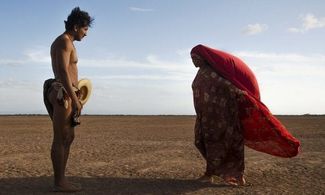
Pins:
x,y
262,131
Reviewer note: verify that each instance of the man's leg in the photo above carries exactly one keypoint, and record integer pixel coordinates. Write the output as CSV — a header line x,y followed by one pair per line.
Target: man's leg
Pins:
x,y
62,139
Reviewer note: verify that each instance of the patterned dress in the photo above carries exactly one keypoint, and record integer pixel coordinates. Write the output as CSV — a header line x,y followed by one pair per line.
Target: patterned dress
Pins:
x,y
262,131
218,134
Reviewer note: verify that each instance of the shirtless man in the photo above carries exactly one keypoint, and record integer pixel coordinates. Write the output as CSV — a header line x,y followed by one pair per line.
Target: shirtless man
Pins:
x,y
61,95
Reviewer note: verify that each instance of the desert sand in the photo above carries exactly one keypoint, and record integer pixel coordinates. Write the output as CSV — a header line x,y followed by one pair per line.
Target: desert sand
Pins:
x,y
150,155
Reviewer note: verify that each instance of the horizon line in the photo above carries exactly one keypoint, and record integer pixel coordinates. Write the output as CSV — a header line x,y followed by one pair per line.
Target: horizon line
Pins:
x,y
307,114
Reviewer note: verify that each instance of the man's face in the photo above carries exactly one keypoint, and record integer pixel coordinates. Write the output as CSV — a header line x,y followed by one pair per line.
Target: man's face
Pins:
x,y
81,32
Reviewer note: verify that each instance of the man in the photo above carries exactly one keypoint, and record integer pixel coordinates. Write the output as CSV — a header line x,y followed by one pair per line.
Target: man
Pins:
x,y
61,95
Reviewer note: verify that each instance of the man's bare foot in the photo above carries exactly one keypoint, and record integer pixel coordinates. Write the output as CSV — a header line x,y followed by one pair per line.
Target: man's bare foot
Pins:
x,y
67,187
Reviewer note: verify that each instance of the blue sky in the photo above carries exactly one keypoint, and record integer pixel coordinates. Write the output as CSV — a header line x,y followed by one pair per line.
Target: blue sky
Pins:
x,y
137,52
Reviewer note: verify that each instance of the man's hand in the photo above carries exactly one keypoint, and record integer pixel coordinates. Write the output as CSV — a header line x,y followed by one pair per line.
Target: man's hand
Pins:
x,y
76,107
76,112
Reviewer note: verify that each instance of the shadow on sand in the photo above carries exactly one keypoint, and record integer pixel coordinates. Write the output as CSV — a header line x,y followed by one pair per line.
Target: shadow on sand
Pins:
x,y
104,185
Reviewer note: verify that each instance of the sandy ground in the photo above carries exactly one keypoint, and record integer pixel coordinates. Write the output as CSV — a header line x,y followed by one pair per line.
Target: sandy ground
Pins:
x,y
150,155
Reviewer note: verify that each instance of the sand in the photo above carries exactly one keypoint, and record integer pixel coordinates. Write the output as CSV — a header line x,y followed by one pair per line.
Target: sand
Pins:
x,y
150,155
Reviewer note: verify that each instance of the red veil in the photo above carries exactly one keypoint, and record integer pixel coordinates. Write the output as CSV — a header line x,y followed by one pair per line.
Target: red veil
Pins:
x,y
262,131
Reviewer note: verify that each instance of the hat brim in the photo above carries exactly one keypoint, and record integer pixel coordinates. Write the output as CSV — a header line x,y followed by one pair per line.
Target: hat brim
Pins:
x,y
85,87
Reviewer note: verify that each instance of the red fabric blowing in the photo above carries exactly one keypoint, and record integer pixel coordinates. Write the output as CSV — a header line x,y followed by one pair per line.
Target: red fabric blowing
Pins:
x,y
262,131
231,68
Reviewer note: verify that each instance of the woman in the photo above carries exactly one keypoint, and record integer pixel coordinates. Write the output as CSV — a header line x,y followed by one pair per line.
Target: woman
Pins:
x,y
229,114
218,135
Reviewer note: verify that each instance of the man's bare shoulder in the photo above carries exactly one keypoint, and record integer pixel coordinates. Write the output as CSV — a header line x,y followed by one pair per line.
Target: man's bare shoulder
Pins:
x,y
62,42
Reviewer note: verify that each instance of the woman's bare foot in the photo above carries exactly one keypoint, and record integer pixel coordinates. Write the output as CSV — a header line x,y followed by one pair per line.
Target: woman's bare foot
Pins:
x,y
233,181
230,181
216,180
67,187
242,181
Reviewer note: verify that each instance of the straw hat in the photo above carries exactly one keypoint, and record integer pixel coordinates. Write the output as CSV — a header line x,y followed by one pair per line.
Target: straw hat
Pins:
x,y
84,85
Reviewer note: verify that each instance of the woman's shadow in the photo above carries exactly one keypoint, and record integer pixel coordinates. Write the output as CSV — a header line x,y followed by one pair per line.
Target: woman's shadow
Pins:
x,y
104,185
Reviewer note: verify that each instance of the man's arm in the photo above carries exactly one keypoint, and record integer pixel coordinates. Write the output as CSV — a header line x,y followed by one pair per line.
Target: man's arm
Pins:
x,y
63,61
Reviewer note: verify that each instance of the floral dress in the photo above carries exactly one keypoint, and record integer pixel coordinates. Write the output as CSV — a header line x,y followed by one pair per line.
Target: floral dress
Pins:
x,y
218,133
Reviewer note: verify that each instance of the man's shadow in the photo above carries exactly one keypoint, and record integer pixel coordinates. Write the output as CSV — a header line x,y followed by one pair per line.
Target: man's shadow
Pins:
x,y
104,185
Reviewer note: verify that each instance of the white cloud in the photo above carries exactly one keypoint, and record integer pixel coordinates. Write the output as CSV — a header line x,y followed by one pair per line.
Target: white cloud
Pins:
x,y
151,62
295,30
147,86
253,29
137,9
285,63
289,83
37,55
177,77
11,62
184,53
309,22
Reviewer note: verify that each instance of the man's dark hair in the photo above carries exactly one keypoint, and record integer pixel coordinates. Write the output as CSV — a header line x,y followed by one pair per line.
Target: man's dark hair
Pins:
x,y
79,18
